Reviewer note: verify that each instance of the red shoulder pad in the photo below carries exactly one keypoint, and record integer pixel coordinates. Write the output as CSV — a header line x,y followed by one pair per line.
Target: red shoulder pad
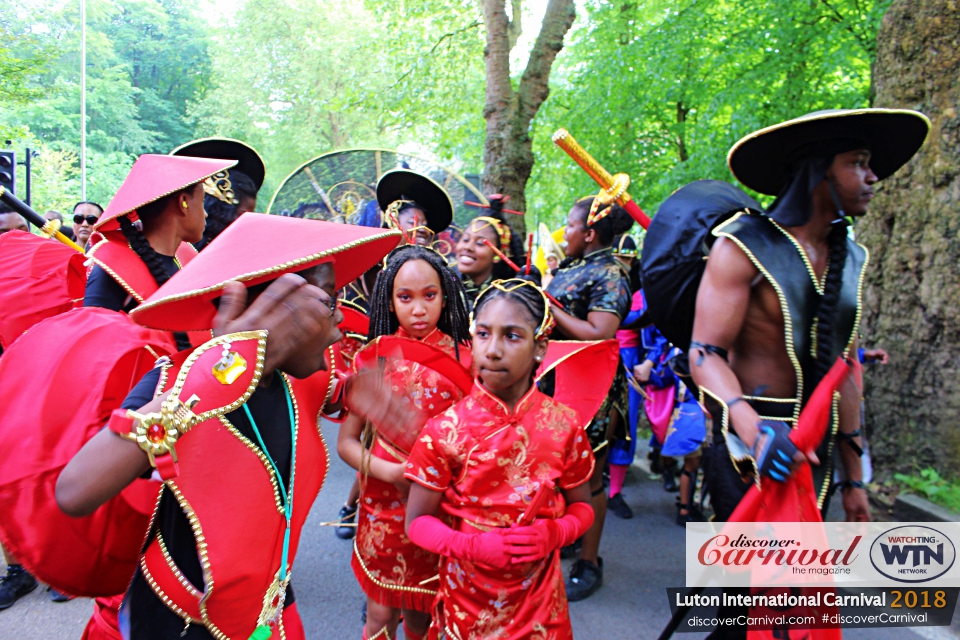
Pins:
x,y
585,371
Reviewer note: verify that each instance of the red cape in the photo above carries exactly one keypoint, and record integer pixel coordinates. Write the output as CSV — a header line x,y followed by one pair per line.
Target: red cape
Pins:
x,y
58,384
40,279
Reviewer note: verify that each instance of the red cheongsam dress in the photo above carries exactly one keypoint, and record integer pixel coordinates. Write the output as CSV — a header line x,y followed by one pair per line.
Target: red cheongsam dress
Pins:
x,y
489,463
389,567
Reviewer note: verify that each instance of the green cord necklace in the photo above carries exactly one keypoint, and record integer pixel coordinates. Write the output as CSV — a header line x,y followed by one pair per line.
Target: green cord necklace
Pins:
x,y
263,631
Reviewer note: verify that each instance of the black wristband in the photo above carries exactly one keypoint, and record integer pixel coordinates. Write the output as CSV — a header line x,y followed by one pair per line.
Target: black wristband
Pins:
x,y
851,484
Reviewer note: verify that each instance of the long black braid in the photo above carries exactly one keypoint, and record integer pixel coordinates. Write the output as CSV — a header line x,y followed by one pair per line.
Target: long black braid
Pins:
x,y
141,246
830,301
454,319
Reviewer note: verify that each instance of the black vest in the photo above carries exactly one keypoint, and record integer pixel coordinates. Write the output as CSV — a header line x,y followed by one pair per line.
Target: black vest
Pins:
x,y
783,263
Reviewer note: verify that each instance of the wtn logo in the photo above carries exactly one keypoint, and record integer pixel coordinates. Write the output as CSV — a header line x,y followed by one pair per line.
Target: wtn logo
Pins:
x,y
912,554
897,554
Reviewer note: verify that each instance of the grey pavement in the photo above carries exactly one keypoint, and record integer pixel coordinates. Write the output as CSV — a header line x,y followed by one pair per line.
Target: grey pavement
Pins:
x,y
643,557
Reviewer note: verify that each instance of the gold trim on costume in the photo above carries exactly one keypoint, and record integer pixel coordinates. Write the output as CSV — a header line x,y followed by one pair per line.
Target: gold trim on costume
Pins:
x,y
286,267
387,585
784,307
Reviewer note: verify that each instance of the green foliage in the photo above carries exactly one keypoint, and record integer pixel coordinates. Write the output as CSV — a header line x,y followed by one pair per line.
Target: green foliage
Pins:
x,y
661,90
930,485
295,83
146,59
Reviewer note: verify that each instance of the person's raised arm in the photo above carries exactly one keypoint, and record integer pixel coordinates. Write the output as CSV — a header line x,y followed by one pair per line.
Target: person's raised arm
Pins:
x,y
722,302
599,325
107,463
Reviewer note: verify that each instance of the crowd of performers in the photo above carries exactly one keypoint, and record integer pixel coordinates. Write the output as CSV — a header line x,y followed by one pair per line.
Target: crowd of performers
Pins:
x,y
491,410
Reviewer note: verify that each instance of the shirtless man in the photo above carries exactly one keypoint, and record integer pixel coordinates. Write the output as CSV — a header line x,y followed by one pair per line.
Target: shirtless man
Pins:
x,y
765,331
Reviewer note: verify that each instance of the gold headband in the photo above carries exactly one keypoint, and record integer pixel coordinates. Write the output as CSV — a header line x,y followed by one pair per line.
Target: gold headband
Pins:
x,y
503,231
606,198
509,286
393,221
218,185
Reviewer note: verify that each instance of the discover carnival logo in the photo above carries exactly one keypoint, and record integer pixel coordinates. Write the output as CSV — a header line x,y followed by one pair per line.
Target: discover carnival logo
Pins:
x,y
912,554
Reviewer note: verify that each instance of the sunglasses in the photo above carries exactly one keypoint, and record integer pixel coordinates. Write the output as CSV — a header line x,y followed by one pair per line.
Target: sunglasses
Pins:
x,y
91,220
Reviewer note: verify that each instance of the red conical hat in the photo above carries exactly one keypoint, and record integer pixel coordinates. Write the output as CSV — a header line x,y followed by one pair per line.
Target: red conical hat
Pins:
x,y
254,249
154,176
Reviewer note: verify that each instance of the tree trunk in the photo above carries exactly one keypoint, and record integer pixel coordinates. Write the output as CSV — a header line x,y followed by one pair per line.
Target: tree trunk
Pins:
x,y
912,292
507,150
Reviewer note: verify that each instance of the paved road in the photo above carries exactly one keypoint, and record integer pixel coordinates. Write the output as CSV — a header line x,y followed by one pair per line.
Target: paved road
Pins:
x,y
643,556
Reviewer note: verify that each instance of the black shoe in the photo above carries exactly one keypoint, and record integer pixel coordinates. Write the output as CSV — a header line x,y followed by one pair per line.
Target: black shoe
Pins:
x,y
16,584
585,578
56,596
620,507
571,550
691,515
669,480
347,516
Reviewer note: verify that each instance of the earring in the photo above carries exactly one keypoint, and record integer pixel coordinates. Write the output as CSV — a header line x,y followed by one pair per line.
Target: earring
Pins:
x,y
184,205
538,358
496,258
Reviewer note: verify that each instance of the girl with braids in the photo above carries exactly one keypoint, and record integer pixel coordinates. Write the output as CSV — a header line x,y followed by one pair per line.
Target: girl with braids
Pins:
x,y
147,229
417,297
594,289
500,482
477,263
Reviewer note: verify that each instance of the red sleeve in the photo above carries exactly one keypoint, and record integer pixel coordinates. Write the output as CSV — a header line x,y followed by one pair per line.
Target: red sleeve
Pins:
x,y
579,461
430,464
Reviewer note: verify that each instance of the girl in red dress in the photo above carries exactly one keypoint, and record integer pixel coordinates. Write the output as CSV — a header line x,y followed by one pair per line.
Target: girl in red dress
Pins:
x,y
417,297
500,483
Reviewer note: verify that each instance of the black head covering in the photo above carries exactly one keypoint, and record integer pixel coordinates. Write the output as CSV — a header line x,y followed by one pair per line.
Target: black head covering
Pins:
x,y
794,203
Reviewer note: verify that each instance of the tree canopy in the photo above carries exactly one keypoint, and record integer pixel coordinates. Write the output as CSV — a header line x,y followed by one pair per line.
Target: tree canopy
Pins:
x,y
658,89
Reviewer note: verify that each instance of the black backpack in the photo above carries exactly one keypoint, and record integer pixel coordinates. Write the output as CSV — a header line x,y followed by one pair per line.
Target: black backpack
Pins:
x,y
675,251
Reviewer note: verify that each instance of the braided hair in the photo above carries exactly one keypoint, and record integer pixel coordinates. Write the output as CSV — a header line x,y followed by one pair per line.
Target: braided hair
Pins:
x,y
454,319
220,214
617,222
528,297
830,301
141,246
515,251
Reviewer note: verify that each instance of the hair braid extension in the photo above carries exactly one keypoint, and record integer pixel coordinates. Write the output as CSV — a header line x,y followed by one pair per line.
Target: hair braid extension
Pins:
x,y
830,301
454,319
141,246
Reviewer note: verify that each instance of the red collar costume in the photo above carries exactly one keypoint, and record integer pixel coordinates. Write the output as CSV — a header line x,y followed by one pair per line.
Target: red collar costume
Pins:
x,y
238,526
489,463
97,555
151,178
389,567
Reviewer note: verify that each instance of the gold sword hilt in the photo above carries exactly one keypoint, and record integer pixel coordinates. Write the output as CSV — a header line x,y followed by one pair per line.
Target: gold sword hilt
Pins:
x,y
565,141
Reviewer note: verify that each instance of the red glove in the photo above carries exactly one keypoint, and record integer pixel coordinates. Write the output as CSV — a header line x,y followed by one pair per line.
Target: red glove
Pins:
x,y
539,540
485,548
